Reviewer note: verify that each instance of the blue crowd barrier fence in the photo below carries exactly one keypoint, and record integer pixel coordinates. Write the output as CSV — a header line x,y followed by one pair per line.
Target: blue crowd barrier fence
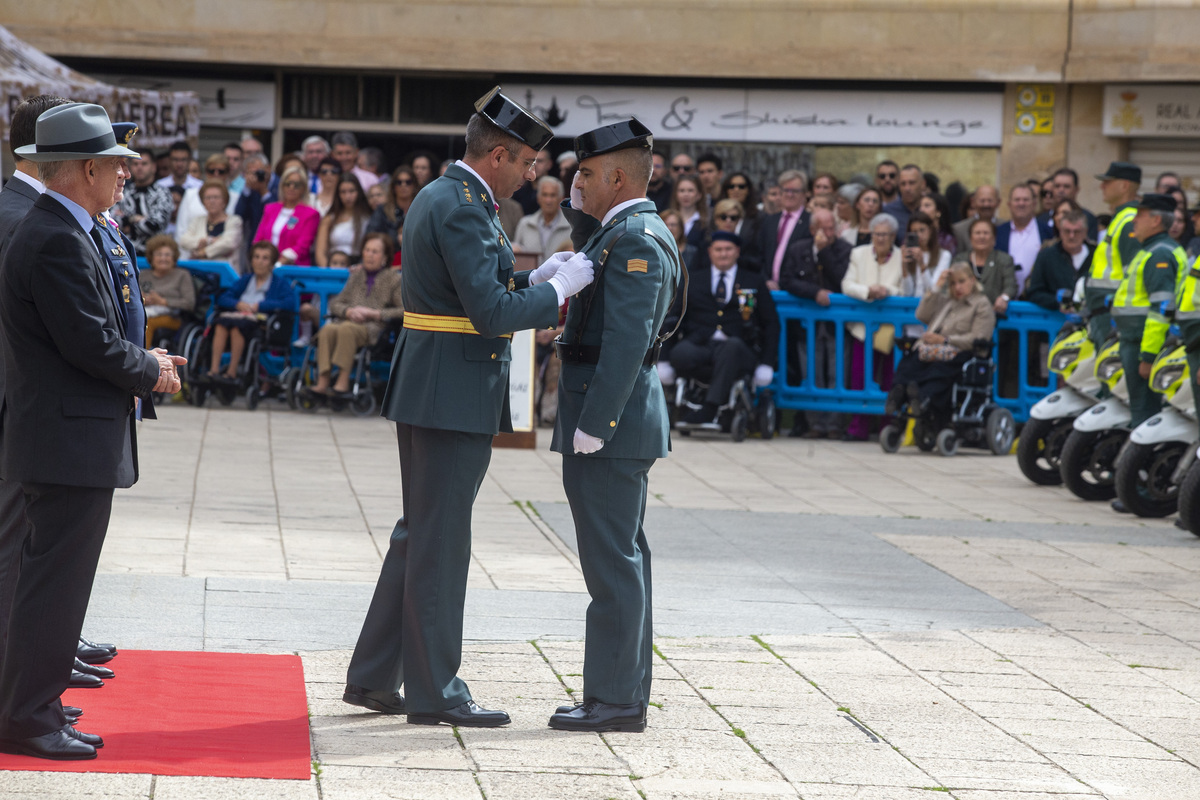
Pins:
x,y
1018,348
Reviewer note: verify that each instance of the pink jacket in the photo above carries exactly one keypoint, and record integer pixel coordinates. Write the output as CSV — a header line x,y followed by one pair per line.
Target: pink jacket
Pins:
x,y
297,237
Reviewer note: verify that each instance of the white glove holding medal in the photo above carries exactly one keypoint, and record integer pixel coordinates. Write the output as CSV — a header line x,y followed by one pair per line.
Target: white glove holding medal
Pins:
x,y
585,444
572,275
763,375
576,194
549,268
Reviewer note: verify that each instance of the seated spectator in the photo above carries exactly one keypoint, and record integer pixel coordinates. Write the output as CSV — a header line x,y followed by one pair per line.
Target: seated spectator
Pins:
x,y
216,168
874,273
290,224
1060,263
924,258
1022,236
216,236
167,290
687,251
424,167
390,216
993,268
545,231
813,270
239,307
845,215
866,208
370,299
345,153
145,209
329,172
937,209
957,313
688,201
377,195
345,225
825,184
730,330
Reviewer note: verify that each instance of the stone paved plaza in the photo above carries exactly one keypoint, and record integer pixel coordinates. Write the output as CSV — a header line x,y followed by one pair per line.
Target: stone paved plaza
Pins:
x,y
831,622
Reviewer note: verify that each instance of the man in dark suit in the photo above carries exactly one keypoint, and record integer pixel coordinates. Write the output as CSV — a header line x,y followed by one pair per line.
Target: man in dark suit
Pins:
x,y
67,431
1023,235
731,329
1064,185
777,232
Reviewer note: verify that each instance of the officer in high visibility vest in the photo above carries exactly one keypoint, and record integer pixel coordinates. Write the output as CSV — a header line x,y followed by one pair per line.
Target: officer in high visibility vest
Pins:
x,y
1185,311
1116,250
1148,289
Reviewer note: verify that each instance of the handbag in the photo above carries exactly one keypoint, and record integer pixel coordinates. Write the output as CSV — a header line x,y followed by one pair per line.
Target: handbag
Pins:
x,y
885,336
937,352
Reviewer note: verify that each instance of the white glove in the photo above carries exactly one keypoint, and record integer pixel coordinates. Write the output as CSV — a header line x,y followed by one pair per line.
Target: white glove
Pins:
x,y
763,375
719,335
666,373
549,267
586,444
576,194
572,275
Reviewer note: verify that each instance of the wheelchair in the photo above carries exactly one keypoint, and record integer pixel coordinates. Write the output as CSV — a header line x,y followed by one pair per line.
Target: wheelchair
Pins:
x,y
972,417
264,370
372,366
183,339
746,409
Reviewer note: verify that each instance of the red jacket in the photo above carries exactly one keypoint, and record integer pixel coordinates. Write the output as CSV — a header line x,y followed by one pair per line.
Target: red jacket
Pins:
x,y
297,237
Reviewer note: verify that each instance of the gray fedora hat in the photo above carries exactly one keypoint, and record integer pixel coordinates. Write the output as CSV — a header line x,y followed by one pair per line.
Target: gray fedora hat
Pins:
x,y
73,132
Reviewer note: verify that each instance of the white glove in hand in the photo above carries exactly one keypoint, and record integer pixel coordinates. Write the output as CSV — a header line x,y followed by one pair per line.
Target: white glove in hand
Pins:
x,y
573,274
586,444
576,194
549,268
666,373
719,335
763,375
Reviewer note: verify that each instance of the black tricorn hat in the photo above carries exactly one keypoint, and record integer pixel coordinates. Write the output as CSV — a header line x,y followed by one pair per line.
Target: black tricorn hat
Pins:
x,y
1158,202
618,136
514,118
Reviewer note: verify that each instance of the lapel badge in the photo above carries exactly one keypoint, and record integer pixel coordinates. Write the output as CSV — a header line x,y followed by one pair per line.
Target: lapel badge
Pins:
x,y
512,284
125,292
113,251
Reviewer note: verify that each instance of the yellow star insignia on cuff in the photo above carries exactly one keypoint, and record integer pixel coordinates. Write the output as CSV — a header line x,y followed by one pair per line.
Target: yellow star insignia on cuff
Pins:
x,y
637,265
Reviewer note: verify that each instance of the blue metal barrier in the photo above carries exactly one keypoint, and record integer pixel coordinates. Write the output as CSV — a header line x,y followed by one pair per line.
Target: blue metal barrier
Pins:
x,y
324,282
801,393
223,270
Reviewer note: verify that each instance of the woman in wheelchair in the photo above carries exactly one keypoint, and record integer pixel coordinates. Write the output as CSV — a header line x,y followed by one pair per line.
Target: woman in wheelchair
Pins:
x,y
370,299
957,313
239,307
167,290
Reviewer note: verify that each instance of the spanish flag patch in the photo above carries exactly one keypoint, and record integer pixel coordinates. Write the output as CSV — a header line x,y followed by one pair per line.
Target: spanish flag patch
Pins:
x,y
637,265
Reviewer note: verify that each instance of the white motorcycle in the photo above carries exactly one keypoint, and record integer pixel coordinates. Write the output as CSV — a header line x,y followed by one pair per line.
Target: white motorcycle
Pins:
x,y
1089,455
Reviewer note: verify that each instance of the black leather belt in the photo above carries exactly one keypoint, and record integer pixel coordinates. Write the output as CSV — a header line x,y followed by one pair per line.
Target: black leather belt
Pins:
x,y
590,353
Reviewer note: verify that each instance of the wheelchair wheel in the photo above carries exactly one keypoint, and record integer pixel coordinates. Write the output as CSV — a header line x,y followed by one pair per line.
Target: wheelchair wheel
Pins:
x,y
197,394
1087,463
1040,447
1143,479
225,395
363,404
1001,430
766,416
947,442
252,398
739,425
1189,499
890,438
924,436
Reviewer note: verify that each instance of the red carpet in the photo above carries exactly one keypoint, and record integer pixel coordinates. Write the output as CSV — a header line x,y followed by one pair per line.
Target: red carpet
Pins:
x,y
224,715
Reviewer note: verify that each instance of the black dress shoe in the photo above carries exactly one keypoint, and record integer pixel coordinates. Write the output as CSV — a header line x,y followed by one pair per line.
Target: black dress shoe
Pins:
x,y
71,720
383,702
92,653
86,738
596,717
56,746
73,711
81,681
567,709
92,669
1119,507
468,715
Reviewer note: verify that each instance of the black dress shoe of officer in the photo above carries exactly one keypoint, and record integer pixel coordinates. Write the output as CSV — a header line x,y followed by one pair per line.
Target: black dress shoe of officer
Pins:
x,y
81,681
467,715
383,702
596,717
73,711
92,669
71,720
567,709
92,653
56,746
1119,507
86,738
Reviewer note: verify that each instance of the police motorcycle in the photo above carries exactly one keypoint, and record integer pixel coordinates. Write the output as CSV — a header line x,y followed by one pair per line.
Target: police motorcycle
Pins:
x,y
1087,463
1051,420
1189,490
1148,476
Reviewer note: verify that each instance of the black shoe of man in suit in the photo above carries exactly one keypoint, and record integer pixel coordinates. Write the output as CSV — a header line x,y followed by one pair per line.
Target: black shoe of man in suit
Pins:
x,y
73,711
56,746
92,653
596,716
80,680
383,702
86,738
467,715
91,669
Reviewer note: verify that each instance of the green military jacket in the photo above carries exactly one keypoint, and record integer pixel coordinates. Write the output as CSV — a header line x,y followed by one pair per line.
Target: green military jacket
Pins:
x,y
618,399
1149,285
459,263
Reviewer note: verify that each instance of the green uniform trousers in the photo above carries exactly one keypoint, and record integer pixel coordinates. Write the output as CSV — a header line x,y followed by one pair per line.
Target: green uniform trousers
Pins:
x,y
608,504
413,630
1099,327
1143,403
1193,362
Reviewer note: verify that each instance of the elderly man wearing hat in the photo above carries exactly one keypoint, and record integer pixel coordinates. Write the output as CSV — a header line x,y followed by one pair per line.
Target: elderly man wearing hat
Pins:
x,y
448,396
612,416
71,379
1119,185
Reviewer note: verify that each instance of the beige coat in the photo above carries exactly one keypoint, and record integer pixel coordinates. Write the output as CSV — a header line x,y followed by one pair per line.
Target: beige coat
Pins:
x,y
865,271
960,321
384,295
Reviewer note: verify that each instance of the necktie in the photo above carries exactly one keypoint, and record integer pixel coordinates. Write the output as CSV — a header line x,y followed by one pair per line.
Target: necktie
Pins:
x,y
314,184
780,245
95,234
720,294
783,222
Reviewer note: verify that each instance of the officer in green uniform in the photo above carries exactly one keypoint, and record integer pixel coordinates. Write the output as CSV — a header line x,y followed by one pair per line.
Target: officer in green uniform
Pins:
x,y
1184,310
448,395
612,416
1116,250
1149,287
